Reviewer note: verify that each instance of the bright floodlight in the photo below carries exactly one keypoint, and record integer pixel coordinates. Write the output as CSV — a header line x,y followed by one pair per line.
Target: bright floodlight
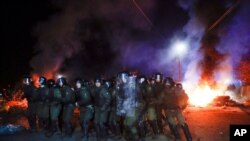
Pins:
x,y
180,48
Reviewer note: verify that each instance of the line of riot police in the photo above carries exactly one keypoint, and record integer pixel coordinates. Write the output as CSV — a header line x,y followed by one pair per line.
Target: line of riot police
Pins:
x,y
127,106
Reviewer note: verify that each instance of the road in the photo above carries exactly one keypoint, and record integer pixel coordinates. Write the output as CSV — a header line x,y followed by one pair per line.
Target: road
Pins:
x,y
206,124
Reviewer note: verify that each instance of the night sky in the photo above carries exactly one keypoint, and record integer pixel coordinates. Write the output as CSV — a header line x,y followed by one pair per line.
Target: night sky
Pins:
x,y
18,19
93,38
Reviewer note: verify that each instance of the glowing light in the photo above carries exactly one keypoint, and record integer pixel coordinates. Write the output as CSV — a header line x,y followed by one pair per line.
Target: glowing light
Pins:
x,y
180,48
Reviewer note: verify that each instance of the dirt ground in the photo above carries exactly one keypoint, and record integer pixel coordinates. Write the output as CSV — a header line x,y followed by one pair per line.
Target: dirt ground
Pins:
x,y
206,124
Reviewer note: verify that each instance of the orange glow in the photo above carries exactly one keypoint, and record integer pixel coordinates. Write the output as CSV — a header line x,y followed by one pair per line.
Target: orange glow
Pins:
x,y
35,78
23,104
203,95
47,75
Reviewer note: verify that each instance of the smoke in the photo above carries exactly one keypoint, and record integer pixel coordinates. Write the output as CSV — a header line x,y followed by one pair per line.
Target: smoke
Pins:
x,y
86,33
92,38
215,48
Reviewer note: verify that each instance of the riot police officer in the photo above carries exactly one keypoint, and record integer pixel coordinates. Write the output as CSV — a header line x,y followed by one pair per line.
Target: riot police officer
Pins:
x,y
134,105
68,103
55,98
171,105
102,99
29,91
158,87
182,101
85,104
43,104
114,119
151,103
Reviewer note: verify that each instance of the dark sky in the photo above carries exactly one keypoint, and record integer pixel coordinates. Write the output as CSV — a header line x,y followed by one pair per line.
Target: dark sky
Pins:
x,y
19,19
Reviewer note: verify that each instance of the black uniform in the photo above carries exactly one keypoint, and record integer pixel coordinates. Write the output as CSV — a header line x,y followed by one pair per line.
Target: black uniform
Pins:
x,y
102,99
85,103
31,96
68,103
43,107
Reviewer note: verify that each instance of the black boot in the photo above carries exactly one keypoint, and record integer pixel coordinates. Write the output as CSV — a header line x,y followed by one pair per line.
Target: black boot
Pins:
x,y
175,131
187,132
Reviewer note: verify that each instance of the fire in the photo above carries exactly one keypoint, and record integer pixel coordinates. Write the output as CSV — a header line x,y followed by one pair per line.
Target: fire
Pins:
x,y
16,101
202,95
23,104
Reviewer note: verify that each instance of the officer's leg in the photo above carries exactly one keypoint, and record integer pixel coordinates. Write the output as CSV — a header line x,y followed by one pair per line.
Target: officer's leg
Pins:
x,y
54,115
153,120
32,116
159,118
103,120
67,119
96,123
40,116
85,131
113,124
170,114
86,116
184,125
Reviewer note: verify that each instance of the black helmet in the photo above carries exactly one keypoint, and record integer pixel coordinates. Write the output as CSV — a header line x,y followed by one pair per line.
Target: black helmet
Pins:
x,y
179,85
61,81
169,81
27,80
86,82
42,80
151,80
51,83
79,81
108,83
142,79
98,80
158,77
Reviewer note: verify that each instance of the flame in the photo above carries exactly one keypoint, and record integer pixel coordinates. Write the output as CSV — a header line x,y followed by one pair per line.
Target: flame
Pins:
x,y
23,104
203,94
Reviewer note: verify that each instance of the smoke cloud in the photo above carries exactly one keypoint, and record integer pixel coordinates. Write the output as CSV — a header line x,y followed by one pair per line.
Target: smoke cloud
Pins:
x,y
92,38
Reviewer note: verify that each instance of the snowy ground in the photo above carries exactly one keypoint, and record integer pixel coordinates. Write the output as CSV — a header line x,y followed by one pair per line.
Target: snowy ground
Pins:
x,y
206,124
